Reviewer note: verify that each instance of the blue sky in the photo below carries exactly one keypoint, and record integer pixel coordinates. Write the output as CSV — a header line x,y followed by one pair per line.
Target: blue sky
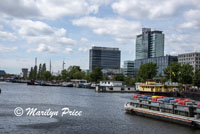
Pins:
x,y
66,30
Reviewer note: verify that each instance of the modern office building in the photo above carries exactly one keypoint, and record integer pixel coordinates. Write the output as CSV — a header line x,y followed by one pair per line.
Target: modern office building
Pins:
x,y
105,58
149,44
128,69
162,62
190,58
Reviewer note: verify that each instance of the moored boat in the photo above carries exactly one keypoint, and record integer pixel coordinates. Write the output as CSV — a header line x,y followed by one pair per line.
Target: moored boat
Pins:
x,y
177,110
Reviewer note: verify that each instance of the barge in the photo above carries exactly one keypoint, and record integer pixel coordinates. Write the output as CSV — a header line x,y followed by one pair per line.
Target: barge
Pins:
x,y
181,111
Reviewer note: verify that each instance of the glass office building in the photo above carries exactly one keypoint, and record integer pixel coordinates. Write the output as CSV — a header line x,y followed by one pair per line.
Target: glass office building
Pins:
x,y
149,44
162,62
105,58
128,69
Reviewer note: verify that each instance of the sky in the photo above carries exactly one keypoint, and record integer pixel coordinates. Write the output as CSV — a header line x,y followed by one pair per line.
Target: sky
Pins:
x,y
60,30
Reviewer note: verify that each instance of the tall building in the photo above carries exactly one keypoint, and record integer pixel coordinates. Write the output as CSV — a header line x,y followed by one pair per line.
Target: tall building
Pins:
x,y
162,62
149,44
105,58
128,69
190,58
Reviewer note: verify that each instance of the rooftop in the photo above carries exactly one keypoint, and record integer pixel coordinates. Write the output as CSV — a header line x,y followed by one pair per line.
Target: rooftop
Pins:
x,y
105,48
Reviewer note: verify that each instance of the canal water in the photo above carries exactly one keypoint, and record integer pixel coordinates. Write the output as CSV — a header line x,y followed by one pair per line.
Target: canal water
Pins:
x,y
101,113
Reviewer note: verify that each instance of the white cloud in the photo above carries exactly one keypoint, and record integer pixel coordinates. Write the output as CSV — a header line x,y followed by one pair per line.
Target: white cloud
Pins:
x,y
50,9
68,50
41,33
7,49
84,40
152,8
193,19
177,43
81,49
7,36
117,27
46,48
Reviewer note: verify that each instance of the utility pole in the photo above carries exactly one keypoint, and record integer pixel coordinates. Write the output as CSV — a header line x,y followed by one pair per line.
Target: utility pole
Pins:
x,y
50,66
35,61
63,65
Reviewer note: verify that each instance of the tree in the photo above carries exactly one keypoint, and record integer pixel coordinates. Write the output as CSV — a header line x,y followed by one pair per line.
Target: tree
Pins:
x,y
119,77
96,75
31,74
196,78
74,72
186,74
47,75
147,71
39,76
172,72
64,74
43,70
129,81
35,73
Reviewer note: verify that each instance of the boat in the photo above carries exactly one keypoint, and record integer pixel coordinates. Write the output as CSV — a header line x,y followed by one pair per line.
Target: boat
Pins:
x,y
177,110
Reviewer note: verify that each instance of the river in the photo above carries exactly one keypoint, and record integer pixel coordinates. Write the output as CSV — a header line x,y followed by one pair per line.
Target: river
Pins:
x,y
100,113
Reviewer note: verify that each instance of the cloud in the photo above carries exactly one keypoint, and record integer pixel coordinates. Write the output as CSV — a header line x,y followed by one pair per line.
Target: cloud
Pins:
x,y
84,40
37,32
177,43
7,49
7,36
81,49
68,50
152,8
193,19
117,27
49,9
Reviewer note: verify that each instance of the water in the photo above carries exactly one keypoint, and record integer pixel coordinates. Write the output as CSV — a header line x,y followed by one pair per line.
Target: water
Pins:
x,y
101,113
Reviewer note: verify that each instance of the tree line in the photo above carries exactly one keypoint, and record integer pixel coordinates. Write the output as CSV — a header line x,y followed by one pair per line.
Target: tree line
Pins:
x,y
175,72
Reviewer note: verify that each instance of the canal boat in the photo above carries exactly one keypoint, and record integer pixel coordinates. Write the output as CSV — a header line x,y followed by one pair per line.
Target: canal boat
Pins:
x,y
177,110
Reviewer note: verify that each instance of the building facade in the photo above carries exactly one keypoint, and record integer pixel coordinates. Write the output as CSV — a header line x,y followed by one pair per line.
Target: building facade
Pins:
x,y
190,58
2,72
128,69
149,44
25,73
105,58
162,62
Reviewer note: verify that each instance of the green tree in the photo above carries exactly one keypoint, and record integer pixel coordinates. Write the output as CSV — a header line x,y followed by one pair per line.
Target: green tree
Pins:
x,y
43,70
74,72
186,74
35,73
39,76
147,71
196,78
129,81
47,75
96,75
64,74
172,72
119,77
31,74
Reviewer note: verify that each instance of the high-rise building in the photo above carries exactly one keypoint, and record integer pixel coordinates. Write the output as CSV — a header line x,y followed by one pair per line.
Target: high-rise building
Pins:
x,y
128,69
190,58
162,62
149,44
105,58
